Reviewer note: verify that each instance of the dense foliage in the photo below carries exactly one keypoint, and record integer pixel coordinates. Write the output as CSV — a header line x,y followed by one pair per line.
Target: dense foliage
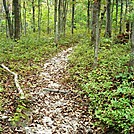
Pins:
x,y
109,86
47,27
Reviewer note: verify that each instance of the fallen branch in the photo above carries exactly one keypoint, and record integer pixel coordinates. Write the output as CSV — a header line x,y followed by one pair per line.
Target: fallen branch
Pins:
x,y
56,90
22,96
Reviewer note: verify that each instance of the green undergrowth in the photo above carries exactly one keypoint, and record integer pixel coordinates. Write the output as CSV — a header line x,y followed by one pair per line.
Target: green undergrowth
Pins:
x,y
24,57
26,50
28,53
110,86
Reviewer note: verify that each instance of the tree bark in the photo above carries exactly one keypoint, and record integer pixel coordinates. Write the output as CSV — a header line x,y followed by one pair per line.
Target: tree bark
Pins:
x,y
65,9
95,30
48,17
108,19
132,49
125,18
55,22
73,10
24,17
59,19
116,15
88,16
33,14
16,7
39,17
8,18
121,17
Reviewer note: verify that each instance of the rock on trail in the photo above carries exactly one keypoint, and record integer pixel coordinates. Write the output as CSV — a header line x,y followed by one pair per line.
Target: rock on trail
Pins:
x,y
57,112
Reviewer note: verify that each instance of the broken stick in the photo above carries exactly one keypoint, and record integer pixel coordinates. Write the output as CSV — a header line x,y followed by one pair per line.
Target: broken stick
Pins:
x,y
22,96
56,90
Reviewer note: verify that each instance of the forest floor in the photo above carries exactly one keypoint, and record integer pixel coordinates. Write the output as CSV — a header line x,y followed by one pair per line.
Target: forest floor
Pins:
x,y
56,108
54,102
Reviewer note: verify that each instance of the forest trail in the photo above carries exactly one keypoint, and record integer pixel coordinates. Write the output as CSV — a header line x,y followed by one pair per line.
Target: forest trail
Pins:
x,y
60,112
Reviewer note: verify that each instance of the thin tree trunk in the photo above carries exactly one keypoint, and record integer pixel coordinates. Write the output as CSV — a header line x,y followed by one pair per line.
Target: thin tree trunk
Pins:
x,y
121,17
73,10
88,16
55,22
95,30
13,18
112,8
116,15
108,20
33,13
24,17
39,17
20,17
8,18
48,17
65,9
112,12
132,49
16,7
125,18
59,19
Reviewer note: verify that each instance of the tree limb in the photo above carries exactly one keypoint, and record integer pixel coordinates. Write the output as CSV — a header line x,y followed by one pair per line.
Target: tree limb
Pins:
x,y
22,96
56,90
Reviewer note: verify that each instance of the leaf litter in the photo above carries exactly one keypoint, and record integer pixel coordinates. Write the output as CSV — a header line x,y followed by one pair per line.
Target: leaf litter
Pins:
x,y
55,108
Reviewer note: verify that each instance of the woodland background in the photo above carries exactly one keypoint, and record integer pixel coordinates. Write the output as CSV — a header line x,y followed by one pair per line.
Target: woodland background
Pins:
x,y
101,66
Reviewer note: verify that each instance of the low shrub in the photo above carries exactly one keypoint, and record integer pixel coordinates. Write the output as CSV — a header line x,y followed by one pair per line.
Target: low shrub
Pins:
x,y
110,86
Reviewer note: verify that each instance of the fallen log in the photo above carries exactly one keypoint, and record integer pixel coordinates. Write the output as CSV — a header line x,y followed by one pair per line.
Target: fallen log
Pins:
x,y
20,91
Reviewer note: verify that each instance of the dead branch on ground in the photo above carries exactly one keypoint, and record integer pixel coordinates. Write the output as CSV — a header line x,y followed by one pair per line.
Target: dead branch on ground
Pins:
x,y
22,96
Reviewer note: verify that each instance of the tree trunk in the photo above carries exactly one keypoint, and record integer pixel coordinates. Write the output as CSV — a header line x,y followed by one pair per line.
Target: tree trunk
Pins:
x,y
33,15
59,19
108,19
73,9
55,22
121,17
16,7
116,15
95,30
20,17
24,17
8,18
125,18
88,16
112,13
39,17
65,8
132,49
48,17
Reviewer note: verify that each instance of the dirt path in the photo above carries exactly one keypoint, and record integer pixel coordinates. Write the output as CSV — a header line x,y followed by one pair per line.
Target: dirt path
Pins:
x,y
59,112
